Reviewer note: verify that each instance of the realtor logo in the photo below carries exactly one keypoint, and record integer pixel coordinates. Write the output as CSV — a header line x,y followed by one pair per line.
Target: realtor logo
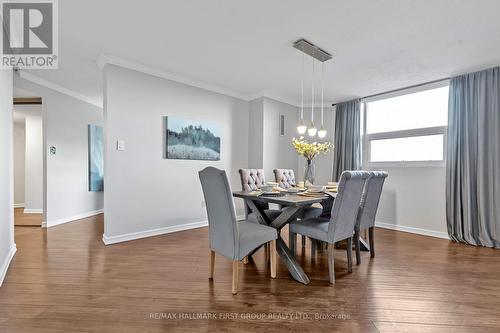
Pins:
x,y
29,34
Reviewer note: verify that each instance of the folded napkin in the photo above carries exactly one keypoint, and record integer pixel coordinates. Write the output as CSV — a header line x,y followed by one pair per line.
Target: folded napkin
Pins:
x,y
255,192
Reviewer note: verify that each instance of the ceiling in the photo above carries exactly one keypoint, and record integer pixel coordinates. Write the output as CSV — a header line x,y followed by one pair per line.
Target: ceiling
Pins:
x,y
245,46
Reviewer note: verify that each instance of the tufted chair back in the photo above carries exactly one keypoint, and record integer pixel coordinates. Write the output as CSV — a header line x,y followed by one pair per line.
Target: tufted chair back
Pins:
x,y
252,179
285,177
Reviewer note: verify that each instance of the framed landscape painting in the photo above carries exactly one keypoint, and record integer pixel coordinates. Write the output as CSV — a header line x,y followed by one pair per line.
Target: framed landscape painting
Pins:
x,y
96,158
190,140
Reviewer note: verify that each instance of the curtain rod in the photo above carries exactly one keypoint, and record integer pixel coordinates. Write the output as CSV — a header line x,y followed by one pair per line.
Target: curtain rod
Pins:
x,y
402,89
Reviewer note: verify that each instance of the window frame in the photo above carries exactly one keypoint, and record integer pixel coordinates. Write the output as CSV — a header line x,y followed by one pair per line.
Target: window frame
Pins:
x,y
425,131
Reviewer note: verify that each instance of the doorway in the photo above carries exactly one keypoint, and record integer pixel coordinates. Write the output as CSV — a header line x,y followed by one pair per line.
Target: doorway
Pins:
x,y
28,161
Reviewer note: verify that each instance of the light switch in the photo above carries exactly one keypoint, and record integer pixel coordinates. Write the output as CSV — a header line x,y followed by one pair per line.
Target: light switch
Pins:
x,y
120,145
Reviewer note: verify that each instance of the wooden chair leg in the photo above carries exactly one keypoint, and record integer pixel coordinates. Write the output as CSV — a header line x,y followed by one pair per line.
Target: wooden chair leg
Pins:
x,y
303,241
349,254
372,242
357,247
211,264
235,277
313,248
331,262
273,259
268,249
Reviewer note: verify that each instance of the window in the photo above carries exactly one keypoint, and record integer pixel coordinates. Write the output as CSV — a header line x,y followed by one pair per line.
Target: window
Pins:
x,y
407,129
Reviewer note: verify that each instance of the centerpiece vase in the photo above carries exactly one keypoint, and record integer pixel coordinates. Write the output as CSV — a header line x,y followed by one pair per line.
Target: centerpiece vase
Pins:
x,y
309,172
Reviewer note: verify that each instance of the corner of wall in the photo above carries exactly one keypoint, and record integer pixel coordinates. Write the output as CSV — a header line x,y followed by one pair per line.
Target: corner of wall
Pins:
x,y
5,265
7,245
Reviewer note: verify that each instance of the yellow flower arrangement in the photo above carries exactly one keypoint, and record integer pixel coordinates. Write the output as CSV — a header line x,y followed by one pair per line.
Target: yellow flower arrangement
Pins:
x,y
310,150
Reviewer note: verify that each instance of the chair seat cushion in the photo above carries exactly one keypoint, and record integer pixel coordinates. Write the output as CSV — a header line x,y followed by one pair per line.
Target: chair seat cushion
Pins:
x,y
253,235
309,212
271,213
315,227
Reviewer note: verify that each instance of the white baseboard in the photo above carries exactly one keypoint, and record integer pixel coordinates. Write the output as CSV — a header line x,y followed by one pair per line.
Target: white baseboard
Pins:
x,y
108,240
412,230
152,232
48,224
19,205
33,211
6,263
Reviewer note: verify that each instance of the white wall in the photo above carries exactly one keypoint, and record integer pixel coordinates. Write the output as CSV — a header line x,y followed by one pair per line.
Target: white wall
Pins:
x,y
144,193
66,120
414,200
268,150
7,245
33,202
19,163
278,150
256,134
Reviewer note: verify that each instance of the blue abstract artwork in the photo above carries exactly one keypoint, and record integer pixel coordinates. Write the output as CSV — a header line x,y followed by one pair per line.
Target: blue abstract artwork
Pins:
x,y
191,140
96,158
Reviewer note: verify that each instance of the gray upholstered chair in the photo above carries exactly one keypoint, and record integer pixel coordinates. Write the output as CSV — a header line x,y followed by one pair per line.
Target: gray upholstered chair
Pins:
x,y
228,237
368,210
343,220
286,179
253,179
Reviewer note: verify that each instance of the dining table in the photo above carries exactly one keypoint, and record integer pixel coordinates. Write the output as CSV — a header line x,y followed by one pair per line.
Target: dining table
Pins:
x,y
292,204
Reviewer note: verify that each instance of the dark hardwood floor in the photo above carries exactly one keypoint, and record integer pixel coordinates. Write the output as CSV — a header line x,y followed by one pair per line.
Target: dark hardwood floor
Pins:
x,y
66,280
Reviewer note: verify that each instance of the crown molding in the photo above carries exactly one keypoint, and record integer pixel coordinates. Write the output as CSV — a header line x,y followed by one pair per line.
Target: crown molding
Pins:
x,y
105,59
53,86
287,100
280,99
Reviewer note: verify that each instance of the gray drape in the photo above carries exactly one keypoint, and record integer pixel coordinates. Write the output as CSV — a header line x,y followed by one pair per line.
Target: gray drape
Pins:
x,y
347,142
473,159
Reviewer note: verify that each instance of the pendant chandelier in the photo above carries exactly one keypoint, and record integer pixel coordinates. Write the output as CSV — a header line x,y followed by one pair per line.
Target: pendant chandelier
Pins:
x,y
316,54
322,130
301,128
